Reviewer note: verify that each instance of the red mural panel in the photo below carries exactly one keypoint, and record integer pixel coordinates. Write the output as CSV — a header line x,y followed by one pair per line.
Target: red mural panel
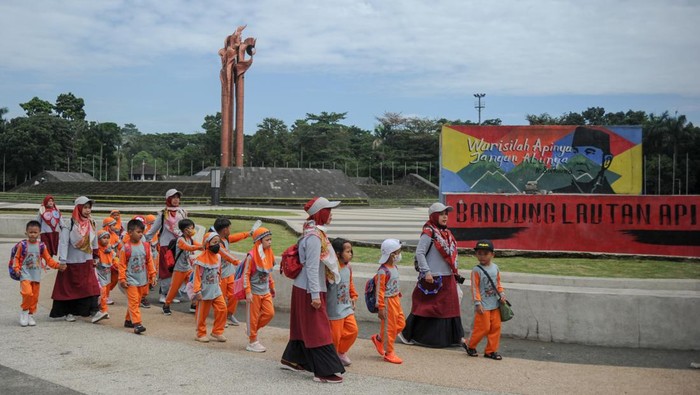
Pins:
x,y
648,225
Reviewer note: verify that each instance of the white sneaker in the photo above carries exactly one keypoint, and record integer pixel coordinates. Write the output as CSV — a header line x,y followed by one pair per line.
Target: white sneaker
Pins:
x,y
24,317
161,299
344,359
403,339
255,347
70,318
98,316
110,301
30,320
176,300
232,321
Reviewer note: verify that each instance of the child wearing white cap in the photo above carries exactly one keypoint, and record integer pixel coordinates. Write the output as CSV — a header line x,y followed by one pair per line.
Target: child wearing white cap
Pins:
x,y
389,308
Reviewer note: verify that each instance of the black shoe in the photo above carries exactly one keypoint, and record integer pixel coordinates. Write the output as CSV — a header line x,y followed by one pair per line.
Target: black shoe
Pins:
x,y
145,303
128,324
193,308
493,355
139,328
166,309
470,351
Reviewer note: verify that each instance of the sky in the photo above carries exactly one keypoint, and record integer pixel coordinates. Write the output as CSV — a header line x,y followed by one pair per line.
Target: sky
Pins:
x,y
155,63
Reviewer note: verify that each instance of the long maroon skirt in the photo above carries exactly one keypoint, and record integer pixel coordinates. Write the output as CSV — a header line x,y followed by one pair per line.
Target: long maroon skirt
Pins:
x,y
51,242
76,291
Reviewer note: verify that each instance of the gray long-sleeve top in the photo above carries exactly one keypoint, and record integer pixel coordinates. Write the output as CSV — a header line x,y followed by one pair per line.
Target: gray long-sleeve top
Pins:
x,y
433,262
312,277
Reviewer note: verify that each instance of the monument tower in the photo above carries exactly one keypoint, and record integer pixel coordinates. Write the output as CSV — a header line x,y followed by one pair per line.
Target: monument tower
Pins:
x,y
234,64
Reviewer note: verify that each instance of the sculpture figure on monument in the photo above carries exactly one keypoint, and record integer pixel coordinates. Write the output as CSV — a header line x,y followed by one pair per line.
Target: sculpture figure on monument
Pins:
x,y
233,66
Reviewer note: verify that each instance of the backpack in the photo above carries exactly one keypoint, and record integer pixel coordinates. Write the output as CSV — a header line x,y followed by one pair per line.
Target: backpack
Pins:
x,y
170,256
23,246
290,265
127,252
415,257
371,292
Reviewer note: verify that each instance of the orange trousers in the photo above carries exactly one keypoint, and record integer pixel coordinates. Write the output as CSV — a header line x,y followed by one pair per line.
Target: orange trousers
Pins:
x,y
30,295
344,332
175,284
394,323
104,294
489,325
260,313
226,285
114,279
203,307
134,295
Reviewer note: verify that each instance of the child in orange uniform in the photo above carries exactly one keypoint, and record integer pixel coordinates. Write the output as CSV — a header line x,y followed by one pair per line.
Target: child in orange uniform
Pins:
x,y
109,224
340,303
136,272
183,262
259,286
389,301
206,280
106,260
229,264
27,267
487,298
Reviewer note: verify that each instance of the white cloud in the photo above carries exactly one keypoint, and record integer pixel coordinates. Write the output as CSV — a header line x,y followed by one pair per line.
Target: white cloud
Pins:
x,y
544,47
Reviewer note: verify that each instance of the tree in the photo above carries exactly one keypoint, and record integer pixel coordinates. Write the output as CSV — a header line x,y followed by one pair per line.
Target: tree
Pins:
x,y
70,107
37,106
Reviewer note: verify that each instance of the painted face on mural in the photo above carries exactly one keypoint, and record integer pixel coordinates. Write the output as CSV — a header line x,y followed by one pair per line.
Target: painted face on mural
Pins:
x,y
588,160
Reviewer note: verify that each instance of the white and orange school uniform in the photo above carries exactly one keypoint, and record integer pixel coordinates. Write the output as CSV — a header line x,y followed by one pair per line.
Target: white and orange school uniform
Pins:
x,y
487,324
30,267
258,282
339,305
136,267
229,264
207,272
389,297
183,265
106,263
115,243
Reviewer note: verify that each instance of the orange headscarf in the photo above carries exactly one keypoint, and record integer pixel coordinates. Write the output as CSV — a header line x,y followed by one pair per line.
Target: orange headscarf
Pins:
x,y
264,258
119,220
107,222
207,257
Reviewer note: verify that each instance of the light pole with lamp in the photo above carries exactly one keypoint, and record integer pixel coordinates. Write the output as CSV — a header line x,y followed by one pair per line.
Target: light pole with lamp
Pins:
x,y
478,105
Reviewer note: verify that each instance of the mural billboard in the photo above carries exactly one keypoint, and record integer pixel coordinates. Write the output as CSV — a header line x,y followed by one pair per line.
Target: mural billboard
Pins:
x,y
645,225
541,159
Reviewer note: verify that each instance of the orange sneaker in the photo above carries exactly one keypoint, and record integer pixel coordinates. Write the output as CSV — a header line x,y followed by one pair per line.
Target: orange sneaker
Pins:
x,y
393,358
378,344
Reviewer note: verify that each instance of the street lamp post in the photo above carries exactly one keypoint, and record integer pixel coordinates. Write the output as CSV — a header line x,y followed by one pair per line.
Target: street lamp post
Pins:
x,y
479,105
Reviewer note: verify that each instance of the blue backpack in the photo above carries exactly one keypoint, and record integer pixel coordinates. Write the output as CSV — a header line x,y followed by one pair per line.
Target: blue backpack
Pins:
x,y
370,290
23,246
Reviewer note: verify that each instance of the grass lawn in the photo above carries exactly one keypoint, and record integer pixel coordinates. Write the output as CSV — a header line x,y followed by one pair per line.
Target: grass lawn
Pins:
x,y
582,267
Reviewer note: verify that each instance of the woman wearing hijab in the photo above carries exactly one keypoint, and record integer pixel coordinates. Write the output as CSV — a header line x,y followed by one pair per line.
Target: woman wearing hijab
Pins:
x,y
435,319
164,230
310,347
50,219
76,291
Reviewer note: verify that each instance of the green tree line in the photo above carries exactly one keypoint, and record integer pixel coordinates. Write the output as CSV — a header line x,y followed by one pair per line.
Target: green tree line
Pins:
x,y
57,136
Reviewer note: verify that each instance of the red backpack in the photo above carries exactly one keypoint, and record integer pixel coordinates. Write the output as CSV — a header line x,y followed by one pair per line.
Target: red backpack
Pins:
x,y
290,265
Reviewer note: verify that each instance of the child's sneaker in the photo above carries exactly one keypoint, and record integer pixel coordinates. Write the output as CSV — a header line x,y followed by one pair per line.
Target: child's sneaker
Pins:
x,y
344,359
128,324
493,355
176,300
99,316
470,351
255,347
24,318
193,308
145,303
110,301
70,318
403,340
202,339
332,379
393,358
232,321
378,344
166,309
138,329
219,338
161,299
30,320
